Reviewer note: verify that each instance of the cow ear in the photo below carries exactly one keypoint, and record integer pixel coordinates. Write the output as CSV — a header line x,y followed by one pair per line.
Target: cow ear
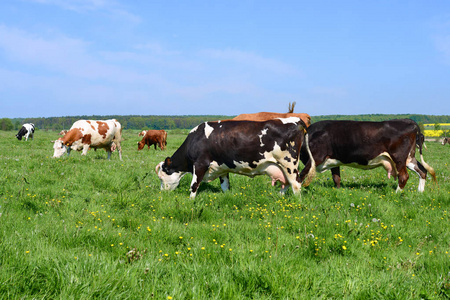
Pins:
x,y
167,162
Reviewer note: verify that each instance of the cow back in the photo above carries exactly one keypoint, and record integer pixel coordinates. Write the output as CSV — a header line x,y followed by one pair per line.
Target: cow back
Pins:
x,y
228,142
264,116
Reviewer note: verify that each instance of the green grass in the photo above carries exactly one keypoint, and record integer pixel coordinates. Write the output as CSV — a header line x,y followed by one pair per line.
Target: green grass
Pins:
x,y
85,228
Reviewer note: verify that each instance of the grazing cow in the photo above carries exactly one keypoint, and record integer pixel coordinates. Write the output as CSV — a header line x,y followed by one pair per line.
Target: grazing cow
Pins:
x,y
63,132
85,134
446,140
154,137
26,131
366,145
215,149
142,133
264,116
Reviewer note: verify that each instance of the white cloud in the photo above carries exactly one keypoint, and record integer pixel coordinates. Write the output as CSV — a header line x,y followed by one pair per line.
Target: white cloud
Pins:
x,y
66,56
77,5
114,9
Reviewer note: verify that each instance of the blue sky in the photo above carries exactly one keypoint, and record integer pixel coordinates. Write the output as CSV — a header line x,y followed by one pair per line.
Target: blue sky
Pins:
x,y
124,57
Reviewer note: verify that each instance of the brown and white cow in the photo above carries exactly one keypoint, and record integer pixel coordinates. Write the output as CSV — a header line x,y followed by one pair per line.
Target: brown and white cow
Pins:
x,y
63,132
264,116
142,133
366,145
215,149
154,137
446,140
85,134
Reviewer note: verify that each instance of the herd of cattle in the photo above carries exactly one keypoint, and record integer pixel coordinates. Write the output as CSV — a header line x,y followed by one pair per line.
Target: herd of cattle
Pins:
x,y
265,143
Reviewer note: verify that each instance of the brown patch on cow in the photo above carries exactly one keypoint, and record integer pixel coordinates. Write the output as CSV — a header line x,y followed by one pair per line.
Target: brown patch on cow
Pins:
x,y
102,128
73,135
264,116
86,139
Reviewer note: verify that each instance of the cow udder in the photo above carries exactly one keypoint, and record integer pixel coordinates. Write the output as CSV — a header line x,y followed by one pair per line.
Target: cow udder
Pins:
x,y
276,174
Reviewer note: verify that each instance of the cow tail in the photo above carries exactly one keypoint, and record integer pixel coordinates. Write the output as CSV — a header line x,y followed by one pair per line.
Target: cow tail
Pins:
x,y
428,167
312,171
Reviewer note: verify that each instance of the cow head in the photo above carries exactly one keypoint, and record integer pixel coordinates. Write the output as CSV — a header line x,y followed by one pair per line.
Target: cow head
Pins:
x,y
60,148
19,137
169,178
141,145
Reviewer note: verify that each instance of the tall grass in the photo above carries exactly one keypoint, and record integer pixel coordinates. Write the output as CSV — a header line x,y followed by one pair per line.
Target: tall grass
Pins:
x,y
85,227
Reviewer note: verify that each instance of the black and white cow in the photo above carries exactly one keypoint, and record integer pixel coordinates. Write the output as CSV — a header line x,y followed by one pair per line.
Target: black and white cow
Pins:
x,y
26,131
215,149
366,145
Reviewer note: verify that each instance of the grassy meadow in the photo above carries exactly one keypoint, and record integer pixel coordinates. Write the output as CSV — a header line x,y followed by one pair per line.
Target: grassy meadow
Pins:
x,y
88,228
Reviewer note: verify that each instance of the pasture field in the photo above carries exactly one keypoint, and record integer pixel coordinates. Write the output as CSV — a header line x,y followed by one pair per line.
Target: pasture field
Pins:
x,y
88,228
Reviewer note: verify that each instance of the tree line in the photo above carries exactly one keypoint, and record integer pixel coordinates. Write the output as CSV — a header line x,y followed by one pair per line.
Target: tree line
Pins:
x,y
141,122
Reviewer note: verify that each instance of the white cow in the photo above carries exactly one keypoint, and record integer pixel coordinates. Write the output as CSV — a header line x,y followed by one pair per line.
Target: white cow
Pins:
x,y
85,134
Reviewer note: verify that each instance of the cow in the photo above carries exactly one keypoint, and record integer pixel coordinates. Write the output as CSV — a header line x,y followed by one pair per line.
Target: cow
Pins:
x,y
27,130
154,137
214,149
142,133
85,134
366,145
264,116
63,132
446,140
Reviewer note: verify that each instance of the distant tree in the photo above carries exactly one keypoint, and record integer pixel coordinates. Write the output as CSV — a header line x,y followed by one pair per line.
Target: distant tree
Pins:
x,y
437,126
6,124
17,124
421,126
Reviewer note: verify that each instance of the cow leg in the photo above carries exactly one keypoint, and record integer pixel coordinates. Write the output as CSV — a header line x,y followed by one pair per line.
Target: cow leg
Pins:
x,y
305,172
225,182
336,174
197,177
119,149
85,149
